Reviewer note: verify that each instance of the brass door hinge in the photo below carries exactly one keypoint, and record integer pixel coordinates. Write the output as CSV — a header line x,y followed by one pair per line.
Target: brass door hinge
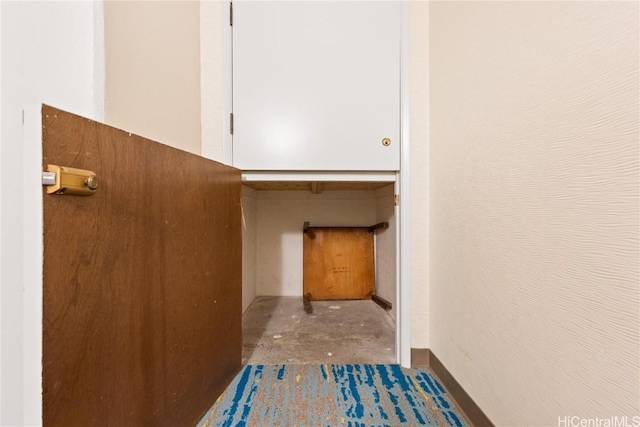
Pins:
x,y
69,181
396,200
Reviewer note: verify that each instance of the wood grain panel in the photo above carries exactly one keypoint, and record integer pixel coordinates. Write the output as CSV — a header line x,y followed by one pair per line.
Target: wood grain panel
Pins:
x,y
142,281
338,263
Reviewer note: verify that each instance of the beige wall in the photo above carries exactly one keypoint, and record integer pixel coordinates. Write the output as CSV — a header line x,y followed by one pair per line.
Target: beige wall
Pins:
x,y
214,16
419,149
152,57
534,296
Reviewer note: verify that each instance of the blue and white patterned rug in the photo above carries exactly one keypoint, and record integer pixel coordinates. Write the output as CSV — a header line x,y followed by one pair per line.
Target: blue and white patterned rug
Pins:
x,y
333,395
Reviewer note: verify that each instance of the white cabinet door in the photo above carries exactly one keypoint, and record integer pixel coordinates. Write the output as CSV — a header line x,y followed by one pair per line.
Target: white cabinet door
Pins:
x,y
316,85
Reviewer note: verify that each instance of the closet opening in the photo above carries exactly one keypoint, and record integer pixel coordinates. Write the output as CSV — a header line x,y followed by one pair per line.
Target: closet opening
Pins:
x,y
276,327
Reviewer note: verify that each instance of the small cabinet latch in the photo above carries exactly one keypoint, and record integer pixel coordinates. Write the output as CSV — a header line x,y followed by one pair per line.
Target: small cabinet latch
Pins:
x,y
69,181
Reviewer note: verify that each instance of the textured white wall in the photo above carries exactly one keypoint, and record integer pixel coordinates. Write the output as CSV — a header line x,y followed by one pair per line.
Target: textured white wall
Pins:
x,y
534,298
419,141
386,247
152,83
249,236
51,53
281,215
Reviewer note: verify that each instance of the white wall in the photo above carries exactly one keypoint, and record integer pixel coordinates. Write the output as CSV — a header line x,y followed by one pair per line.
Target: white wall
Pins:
x,y
153,70
386,247
281,215
51,53
249,236
534,298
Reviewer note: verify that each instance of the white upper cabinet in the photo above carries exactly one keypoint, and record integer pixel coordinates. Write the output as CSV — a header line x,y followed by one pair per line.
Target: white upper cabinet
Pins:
x,y
316,85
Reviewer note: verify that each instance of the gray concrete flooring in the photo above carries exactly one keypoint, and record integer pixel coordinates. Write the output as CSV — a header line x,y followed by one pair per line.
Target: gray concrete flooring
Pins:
x,y
277,330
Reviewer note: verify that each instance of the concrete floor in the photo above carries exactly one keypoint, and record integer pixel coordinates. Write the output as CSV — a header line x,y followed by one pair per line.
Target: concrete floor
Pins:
x,y
277,330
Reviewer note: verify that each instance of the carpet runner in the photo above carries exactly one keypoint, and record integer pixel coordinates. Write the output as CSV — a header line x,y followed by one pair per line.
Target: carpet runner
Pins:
x,y
333,395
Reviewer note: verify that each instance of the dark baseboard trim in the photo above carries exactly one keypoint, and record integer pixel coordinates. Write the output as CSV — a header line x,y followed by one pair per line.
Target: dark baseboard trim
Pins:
x,y
381,302
420,357
423,357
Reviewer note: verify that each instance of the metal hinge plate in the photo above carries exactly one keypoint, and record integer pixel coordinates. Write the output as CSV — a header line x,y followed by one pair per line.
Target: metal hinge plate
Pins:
x,y
69,181
231,14
396,200
231,123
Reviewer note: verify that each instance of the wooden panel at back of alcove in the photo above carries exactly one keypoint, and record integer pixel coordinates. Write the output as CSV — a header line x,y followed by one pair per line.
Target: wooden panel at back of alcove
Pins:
x,y
338,263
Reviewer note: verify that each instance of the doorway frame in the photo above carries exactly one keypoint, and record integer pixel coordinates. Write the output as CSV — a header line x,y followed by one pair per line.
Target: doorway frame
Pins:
x,y
402,185
33,262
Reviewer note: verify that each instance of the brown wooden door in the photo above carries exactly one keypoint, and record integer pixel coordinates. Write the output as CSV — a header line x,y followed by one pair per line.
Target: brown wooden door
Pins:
x,y
142,281
338,263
